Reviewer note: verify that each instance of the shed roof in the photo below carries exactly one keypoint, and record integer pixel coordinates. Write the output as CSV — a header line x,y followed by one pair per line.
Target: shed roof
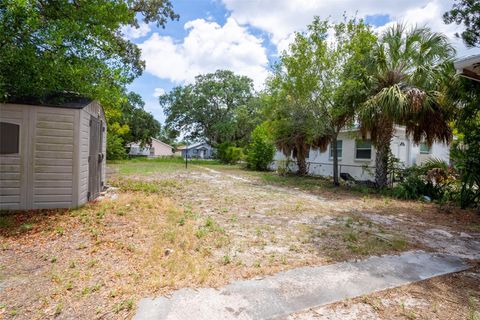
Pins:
x,y
58,100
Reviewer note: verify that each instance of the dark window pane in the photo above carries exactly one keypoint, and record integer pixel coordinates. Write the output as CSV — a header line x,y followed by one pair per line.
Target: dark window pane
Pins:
x,y
9,138
364,153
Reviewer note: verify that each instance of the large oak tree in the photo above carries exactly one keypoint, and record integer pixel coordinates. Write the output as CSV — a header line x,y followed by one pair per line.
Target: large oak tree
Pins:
x,y
219,107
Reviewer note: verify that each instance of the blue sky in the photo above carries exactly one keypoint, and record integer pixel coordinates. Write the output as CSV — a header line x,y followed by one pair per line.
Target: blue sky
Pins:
x,y
245,36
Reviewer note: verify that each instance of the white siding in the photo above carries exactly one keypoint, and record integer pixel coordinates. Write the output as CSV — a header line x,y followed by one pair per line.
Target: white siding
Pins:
x,y
402,147
13,172
51,168
53,157
84,145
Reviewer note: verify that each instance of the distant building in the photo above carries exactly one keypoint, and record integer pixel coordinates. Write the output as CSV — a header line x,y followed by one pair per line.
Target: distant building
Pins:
x,y
156,148
201,150
179,150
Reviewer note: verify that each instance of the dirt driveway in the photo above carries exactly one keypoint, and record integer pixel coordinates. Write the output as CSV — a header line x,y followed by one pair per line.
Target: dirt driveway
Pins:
x,y
171,228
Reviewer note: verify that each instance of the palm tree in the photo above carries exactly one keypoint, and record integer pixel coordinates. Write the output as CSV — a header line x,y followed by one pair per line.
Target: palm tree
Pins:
x,y
408,71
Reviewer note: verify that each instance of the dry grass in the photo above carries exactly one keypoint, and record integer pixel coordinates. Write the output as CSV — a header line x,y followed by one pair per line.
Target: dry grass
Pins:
x,y
174,228
107,254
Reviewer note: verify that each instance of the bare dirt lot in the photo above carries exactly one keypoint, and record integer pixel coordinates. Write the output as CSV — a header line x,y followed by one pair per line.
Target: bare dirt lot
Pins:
x,y
164,227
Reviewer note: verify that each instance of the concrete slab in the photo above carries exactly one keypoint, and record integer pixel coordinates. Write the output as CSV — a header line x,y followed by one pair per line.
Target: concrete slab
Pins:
x,y
295,290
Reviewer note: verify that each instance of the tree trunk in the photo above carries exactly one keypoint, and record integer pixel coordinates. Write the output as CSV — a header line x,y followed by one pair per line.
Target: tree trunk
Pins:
x,y
384,137
335,160
302,165
301,155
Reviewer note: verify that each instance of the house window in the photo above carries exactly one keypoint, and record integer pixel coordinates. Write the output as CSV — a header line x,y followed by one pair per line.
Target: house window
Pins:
x,y
339,149
425,148
9,138
363,149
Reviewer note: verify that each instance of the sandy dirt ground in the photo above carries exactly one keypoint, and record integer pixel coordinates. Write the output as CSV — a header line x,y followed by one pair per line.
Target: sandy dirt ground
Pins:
x,y
157,232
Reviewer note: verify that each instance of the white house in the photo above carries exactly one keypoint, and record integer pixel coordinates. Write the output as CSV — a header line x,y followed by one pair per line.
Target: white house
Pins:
x,y
357,156
51,156
156,148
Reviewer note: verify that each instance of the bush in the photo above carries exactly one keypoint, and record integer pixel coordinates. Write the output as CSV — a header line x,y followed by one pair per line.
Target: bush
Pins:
x,y
261,149
229,154
433,179
115,148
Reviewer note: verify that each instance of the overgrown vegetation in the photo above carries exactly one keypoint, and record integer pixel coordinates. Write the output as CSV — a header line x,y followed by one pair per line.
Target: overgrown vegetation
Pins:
x,y
229,154
433,179
261,150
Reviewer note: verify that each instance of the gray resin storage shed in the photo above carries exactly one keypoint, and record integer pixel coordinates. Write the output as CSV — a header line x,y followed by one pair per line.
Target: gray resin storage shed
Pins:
x,y
51,156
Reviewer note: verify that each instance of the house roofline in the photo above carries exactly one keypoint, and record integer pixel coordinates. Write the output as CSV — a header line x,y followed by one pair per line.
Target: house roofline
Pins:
x,y
162,142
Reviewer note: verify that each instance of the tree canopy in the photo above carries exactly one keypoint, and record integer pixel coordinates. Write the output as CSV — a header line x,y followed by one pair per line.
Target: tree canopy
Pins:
x,y
317,86
466,12
218,107
47,47
410,69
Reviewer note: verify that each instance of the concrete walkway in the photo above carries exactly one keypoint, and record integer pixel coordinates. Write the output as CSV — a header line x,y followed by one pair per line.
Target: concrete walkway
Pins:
x,y
299,289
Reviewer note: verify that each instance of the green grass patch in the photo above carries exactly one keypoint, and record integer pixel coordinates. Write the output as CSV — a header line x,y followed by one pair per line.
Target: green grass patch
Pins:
x,y
156,165
164,186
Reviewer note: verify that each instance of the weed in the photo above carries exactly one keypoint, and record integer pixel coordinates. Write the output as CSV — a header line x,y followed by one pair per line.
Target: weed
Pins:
x,y
351,236
6,221
60,231
58,309
81,246
226,260
92,263
409,314
123,305
91,289
25,227
349,222
473,312
69,285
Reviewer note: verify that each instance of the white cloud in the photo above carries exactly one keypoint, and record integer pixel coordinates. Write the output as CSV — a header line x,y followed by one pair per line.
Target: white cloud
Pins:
x,y
132,33
280,18
207,47
158,92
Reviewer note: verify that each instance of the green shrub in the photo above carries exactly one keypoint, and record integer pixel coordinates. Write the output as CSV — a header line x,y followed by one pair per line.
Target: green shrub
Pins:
x,y
261,149
433,179
115,148
229,154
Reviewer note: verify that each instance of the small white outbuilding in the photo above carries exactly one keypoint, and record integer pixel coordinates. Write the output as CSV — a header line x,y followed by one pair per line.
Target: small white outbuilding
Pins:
x,y
51,156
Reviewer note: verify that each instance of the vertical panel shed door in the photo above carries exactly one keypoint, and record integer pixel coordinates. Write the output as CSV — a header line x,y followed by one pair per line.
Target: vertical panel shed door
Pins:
x,y
95,159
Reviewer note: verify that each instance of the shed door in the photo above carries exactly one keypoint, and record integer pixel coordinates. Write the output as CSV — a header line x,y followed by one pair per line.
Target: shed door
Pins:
x,y
95,159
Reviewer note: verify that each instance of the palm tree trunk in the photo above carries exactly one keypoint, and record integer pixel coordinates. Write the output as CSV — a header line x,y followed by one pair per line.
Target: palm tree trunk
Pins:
x,y
335,160
384,137
301,155
302,165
